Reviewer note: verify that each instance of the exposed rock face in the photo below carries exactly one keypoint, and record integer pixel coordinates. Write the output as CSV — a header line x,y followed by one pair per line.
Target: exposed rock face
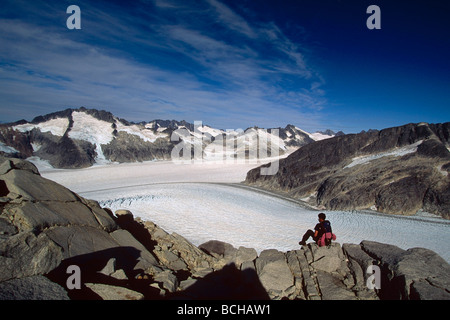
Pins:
x,y
46,228
397,170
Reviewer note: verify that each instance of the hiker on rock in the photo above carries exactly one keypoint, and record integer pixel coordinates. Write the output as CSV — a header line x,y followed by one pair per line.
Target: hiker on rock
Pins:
x,y
322,233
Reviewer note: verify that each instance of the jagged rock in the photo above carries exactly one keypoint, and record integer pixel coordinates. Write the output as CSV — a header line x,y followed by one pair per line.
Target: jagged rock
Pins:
x,y
168,279
189,254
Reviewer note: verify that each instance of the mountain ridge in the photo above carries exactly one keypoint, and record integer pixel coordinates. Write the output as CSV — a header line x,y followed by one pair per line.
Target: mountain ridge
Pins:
x,y
79,138
397,170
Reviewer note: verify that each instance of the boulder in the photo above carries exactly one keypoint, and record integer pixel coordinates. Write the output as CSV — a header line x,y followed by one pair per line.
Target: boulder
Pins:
x,y
243,255
218,249
110,292
327,258
274,273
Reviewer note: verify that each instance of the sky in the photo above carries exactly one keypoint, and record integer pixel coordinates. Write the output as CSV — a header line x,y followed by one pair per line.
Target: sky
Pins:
x,y
230,63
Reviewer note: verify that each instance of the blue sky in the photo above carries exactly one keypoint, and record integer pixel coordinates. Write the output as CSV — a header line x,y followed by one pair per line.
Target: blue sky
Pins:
x,y
231,64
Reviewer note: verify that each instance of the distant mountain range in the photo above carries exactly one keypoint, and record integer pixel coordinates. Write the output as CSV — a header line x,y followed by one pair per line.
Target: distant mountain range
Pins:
x,y
399,170
79,138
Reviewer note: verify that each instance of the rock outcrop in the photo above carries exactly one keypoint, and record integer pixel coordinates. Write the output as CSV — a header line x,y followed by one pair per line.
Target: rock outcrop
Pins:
x,y
55,244
397,170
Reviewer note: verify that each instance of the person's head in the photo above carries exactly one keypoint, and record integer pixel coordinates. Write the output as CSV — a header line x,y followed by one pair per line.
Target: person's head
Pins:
x,y
322,216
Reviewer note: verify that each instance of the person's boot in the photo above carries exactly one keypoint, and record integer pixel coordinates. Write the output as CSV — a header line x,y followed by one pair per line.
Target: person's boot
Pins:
x,y
302,243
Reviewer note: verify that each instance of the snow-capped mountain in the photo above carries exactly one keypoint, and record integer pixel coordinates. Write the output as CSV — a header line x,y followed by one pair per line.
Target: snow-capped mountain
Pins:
x,y
77,138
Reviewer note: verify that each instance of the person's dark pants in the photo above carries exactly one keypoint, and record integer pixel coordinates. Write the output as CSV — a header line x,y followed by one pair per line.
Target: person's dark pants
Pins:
x,y
308,234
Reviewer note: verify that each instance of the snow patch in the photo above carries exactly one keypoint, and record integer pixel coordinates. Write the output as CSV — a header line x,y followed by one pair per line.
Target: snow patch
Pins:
x,y
36,146
42,165
317,136
56,126
146,134
399,152
97,132
7,149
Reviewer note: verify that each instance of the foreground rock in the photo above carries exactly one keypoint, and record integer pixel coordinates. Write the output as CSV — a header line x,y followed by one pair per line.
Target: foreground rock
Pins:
x,y
46,228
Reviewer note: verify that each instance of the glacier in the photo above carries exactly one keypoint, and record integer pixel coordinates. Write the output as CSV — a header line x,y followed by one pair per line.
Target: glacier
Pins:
x,y
205,202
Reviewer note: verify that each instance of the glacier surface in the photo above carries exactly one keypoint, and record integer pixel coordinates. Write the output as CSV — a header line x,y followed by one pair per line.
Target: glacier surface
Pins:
x,y
204,202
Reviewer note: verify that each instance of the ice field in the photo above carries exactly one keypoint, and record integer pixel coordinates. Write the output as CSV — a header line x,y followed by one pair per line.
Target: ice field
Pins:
x,y
204,202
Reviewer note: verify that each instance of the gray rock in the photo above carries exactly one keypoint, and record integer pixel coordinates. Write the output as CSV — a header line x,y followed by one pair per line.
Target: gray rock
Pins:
x,y
32,186
243,254
333,289
125,239
248,265
385,253
169,281
78,240
32,288
109,292
327,259
187,283
26,254
422,274
109,268
218,248
119,275
274,273
358,263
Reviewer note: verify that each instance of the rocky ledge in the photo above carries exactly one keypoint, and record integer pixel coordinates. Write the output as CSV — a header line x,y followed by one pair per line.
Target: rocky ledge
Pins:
x,y
55,244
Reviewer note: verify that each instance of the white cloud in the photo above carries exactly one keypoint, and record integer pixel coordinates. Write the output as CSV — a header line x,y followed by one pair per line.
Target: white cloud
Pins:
x,y
228,84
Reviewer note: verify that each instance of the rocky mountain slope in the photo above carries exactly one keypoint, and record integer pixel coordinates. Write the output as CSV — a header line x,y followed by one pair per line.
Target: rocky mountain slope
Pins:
x,y
55,244
78,138
397,170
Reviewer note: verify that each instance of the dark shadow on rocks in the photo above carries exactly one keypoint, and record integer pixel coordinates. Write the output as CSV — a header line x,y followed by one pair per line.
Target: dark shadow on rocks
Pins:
x,y
137,229
90,264
3,189
229,283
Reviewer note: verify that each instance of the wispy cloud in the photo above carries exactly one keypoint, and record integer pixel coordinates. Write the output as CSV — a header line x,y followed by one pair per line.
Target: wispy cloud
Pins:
x,y
161,63
232,20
